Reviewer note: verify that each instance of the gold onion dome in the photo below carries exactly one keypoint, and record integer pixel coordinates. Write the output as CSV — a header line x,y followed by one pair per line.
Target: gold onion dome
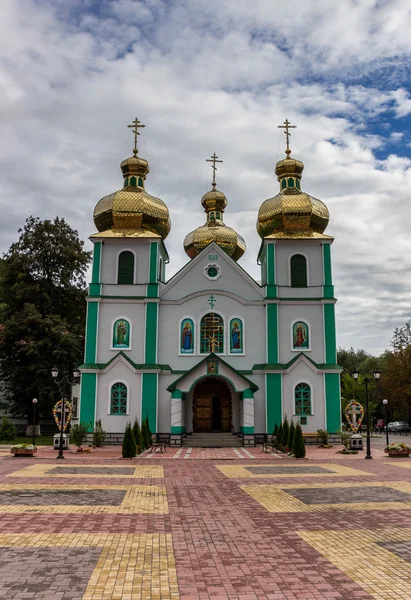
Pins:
x,y
131,211
214,230
292,213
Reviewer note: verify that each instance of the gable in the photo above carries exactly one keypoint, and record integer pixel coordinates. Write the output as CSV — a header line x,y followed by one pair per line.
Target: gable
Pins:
x,y
225,276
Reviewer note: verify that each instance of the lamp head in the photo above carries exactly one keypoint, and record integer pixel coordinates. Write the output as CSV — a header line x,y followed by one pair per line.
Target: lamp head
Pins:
x,y
377,374
54,372
355,374
385,401
34,401
76,374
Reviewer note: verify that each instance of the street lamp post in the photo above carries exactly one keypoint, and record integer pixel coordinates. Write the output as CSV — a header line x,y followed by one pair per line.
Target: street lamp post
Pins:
x,y
385,402
366,381
34,402
65,380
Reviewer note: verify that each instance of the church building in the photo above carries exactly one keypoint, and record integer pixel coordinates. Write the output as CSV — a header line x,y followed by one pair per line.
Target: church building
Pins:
x,y
235,355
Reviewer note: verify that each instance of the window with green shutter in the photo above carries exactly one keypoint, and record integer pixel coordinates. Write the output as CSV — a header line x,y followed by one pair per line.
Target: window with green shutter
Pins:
x,y
118,399
298,265
302,397
126,267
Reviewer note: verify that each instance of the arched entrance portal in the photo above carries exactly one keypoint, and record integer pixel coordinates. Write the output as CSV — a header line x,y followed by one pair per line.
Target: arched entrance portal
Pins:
x,y
212,407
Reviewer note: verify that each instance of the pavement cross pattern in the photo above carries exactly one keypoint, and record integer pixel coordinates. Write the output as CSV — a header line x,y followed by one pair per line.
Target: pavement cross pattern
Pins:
x,y
214,526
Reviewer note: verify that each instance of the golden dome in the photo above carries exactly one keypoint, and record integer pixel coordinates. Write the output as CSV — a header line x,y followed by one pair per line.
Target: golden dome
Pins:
x,y
131,211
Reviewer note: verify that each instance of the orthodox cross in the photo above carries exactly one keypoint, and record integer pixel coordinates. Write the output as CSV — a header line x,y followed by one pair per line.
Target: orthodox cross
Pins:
x,y
213,342
354,411
211,301
214,160
136,124
287,126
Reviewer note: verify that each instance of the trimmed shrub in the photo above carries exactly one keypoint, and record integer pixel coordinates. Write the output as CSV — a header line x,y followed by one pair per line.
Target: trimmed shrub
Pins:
x,y
286,429
298,444
144,436
323,435
275,432
137,436
291,434
150,435
99,435
7,430
78,433
129,443
279,438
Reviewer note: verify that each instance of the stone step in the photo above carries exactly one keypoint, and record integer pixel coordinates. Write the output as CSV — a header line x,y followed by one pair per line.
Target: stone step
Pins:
x,y
212,440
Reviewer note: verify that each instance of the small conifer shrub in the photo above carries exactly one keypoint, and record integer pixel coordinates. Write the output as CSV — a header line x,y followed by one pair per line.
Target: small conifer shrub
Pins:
x,y
137,436
291,434
129,443
298,444
286,428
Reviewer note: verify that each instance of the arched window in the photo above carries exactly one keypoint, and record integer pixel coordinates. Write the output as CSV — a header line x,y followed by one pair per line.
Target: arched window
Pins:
x,y
118,399
302,398
140,181
283,184
133,181
298,266
212,334
290,182
125,267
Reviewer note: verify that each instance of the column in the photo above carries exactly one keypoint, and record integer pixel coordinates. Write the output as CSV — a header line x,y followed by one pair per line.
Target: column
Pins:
x,y
247,428
177,418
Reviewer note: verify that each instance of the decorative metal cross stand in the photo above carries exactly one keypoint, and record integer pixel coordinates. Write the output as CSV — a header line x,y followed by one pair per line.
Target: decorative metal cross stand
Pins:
x,y
355,414
354,411
211,301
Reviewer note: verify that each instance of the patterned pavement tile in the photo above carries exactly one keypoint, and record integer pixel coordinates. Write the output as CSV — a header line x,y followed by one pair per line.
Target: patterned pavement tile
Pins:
x,y
290,470
86,471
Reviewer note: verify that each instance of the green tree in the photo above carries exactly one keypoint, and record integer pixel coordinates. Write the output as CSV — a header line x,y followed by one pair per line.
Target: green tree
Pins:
x,y
7,430
42,311
150,435
279,438
275,432
78,433
298,443
145,436
129,443
99,435
286,428
291,434
137,436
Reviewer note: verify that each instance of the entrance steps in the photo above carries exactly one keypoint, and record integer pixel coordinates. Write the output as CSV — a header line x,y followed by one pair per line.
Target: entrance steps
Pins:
x,y
212,440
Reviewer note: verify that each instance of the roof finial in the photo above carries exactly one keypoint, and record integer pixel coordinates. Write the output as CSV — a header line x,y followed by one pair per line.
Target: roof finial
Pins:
x,y
136,124
287,126
214,160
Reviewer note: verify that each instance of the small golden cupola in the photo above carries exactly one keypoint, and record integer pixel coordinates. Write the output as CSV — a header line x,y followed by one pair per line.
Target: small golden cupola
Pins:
x,y
214,230
131,211
292,213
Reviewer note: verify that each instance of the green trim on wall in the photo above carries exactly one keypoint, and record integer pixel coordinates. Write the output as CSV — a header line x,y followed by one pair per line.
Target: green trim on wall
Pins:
x,y
333,401
152,290
327,264
94,290
149,399
177,394
176,429
150,355
248,393
88,398
328,291
330,338
246,430
91,332
152,278
270,263
273,392
272,333
95,273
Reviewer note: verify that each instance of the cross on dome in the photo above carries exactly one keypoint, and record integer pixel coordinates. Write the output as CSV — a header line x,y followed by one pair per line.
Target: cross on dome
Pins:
x,y
214,160
287,126
136,124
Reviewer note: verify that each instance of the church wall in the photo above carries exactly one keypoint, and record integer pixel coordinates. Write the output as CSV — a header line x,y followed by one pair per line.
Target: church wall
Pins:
x,y
110,312
120,372
313,316
313,253
259,403
164,403
111,250
304,374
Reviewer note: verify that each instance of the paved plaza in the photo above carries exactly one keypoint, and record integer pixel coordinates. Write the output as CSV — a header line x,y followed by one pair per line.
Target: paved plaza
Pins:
x,y
205,524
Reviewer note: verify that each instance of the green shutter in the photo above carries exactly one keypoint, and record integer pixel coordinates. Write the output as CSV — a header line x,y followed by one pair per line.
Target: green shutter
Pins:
x,y
298,271
126,268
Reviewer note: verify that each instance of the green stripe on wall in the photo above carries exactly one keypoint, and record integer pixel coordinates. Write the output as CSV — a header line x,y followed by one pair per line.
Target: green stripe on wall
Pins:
x,y
246,430
176,429
91,332
153,263
272,333
95,273
270,262
333,401
327,264
273,385
150,356
329,334
149,399
88,399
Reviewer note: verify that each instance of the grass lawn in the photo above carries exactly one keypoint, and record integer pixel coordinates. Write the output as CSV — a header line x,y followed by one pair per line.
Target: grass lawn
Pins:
x,y
42,440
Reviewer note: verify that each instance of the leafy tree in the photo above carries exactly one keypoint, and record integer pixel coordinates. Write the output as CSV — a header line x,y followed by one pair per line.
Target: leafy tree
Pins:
x,y
42,311
137,436
298,444
78,433
7,430
291,434
286,428
129,443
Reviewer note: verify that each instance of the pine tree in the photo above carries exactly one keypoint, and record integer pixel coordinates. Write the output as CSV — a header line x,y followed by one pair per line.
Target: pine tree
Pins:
x,y
150,435
129,443
137,436
144,436
286,429
298,444
7,430
279,439
275,432
291,434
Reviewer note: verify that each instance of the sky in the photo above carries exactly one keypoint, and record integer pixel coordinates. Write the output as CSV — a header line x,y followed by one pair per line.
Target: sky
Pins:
x,y
208,76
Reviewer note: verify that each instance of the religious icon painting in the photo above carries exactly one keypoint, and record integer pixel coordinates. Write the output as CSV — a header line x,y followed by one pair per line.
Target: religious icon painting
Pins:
x,y
187,337
301,339
121,334
236,336
212,367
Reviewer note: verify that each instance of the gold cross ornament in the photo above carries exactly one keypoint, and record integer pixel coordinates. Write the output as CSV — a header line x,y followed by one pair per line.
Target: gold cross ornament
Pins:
x,y
287,126
136,124
214,160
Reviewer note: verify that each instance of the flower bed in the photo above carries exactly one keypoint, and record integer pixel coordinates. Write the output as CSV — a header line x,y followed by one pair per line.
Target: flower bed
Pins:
x,y
23,450
397,450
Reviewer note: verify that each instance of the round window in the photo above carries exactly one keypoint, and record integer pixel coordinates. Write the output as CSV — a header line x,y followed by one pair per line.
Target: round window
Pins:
x,y
212,272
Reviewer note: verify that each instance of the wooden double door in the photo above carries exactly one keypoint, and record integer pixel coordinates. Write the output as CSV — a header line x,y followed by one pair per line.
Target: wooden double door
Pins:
x,y
212,407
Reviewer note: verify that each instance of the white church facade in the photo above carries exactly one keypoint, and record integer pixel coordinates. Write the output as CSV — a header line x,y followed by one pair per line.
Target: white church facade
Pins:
x,y
211,349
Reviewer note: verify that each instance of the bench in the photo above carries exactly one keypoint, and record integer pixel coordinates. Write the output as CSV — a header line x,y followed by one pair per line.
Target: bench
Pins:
x,y
158,444
267,444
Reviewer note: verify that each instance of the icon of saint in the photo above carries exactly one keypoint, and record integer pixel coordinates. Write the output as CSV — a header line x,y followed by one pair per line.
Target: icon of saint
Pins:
x,y
121,333
300,336
236,336
187,337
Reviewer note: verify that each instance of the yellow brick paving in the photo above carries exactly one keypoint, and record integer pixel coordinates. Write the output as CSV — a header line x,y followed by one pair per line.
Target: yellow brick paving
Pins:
x,y
274,497
378,571
42,470
241,472
130,567
139,499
